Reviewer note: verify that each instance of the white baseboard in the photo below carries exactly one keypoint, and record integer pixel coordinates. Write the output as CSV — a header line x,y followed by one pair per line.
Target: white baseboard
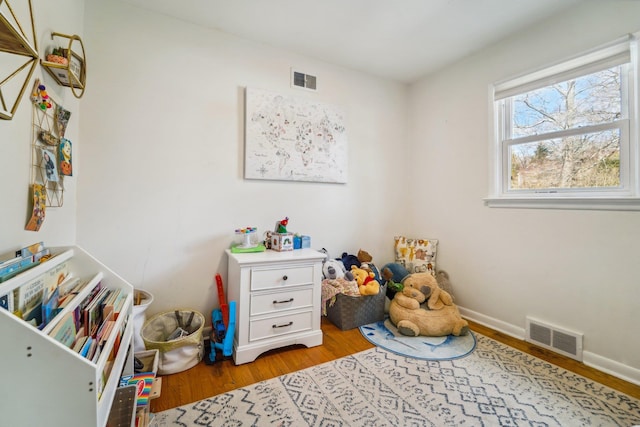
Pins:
x,y
611,367
590,359
498,325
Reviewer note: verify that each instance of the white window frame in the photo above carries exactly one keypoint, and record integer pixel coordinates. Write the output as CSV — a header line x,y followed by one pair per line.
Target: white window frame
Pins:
x,y
627,197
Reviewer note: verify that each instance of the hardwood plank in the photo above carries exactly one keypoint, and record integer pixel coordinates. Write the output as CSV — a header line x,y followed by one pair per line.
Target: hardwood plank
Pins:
x,y
204,380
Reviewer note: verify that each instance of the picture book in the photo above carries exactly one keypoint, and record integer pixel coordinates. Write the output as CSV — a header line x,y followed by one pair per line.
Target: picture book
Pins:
x,y
33,315
65,330
6,302
9,261
30,250
50,308
79,344
143,382
29,294
10,270
55,277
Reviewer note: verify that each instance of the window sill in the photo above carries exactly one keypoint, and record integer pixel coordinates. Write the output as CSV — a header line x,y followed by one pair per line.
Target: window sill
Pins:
x,y
576,203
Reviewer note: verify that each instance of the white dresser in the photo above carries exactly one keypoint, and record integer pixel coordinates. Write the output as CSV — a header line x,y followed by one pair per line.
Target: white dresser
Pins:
x,y
277,298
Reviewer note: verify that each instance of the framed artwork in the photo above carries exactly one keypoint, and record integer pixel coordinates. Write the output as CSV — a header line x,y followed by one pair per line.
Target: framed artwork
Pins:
x,y
293,139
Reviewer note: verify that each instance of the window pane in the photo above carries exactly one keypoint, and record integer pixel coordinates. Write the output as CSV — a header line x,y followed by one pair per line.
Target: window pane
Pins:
x,y
588,100
580,161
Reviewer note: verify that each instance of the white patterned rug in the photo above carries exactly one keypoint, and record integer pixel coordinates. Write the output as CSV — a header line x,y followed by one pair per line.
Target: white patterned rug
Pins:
x,y
496,385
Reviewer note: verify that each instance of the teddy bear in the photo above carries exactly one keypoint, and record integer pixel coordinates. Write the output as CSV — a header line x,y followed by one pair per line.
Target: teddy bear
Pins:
x,y
423,308
367,284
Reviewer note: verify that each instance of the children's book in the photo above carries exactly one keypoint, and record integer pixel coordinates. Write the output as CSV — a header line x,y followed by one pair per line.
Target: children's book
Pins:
x,y
6,302
10,270
30,294
143,382
30,250
65,330
49,308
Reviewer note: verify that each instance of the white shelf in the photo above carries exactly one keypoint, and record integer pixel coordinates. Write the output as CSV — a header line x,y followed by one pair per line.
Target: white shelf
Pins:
x,y
45,381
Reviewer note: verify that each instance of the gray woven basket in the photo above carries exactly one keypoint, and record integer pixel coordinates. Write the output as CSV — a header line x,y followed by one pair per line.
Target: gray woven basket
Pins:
x,y
349,312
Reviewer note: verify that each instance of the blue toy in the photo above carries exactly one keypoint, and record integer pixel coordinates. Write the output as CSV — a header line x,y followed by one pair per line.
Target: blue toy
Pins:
x,y
223,336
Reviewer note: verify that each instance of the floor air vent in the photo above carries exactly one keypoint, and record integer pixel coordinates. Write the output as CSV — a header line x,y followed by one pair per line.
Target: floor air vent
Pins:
x,y
555,339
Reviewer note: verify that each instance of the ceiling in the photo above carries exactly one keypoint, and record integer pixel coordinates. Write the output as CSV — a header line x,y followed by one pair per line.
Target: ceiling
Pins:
x,y
401,40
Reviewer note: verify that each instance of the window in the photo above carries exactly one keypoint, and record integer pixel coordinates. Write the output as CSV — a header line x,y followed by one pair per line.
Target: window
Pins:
x,y
567,136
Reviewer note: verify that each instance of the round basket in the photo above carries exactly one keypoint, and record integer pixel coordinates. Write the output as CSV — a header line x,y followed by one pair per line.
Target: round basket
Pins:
x,y
180,353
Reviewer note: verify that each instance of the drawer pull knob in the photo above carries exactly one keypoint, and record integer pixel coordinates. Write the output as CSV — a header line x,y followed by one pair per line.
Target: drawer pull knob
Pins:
x,y
282,326
283,302
284,277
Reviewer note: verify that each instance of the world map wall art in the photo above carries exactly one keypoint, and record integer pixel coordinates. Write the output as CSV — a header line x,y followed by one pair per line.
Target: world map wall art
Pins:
x,y
293,139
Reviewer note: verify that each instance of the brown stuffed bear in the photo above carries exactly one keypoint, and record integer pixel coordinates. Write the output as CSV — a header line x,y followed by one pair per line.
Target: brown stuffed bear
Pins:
x,y
439,317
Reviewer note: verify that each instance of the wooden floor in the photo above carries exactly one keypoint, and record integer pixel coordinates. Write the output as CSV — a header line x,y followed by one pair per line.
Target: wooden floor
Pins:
x,y
204,380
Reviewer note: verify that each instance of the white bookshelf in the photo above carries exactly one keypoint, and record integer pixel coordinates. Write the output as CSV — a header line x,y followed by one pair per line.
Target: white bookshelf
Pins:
x,y
43,381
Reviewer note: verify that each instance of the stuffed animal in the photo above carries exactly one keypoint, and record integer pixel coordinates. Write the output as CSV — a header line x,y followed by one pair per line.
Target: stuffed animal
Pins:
x,y
366,282
366,263
392,275
334,268
349,260
422,308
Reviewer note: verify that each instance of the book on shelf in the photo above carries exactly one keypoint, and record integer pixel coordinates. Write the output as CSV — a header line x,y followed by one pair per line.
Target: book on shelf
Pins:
x,y
143,382
93,313
50,308
65,330
6,302
30,250
38,289
79,343
9,261
80,309
11,270
84,351
24,259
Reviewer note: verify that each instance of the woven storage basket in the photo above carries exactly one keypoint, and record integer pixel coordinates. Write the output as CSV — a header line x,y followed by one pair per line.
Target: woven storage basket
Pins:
x,y
349,312
179,354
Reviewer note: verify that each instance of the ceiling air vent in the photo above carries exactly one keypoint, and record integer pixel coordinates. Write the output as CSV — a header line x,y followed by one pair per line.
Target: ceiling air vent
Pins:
x,y
555,339
303,80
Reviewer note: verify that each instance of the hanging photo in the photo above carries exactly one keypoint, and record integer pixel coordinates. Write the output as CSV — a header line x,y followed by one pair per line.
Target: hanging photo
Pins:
x,y
64,157
39,206
49,165
62,119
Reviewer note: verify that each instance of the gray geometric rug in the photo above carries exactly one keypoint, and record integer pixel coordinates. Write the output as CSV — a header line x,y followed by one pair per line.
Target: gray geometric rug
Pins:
x,y
496,385
385,334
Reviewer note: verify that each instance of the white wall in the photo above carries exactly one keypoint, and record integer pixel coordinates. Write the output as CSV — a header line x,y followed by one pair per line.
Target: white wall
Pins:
x,y
574,269
67,17
162,189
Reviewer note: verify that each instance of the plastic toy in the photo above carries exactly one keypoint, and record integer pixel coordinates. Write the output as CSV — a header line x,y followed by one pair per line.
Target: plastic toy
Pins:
x,y
246,237
223,322
223,337
281,226
40,97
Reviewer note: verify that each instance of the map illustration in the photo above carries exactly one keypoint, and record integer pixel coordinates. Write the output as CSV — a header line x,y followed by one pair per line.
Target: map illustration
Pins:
x,y
293,139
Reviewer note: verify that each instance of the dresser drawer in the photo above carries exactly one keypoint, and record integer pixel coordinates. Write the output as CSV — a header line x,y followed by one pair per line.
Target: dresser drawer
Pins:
x,y
280,277
280,325
278,301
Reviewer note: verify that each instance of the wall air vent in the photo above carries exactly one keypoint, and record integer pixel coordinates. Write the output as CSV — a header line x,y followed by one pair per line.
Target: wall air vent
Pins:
x,y
555,339
303,80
